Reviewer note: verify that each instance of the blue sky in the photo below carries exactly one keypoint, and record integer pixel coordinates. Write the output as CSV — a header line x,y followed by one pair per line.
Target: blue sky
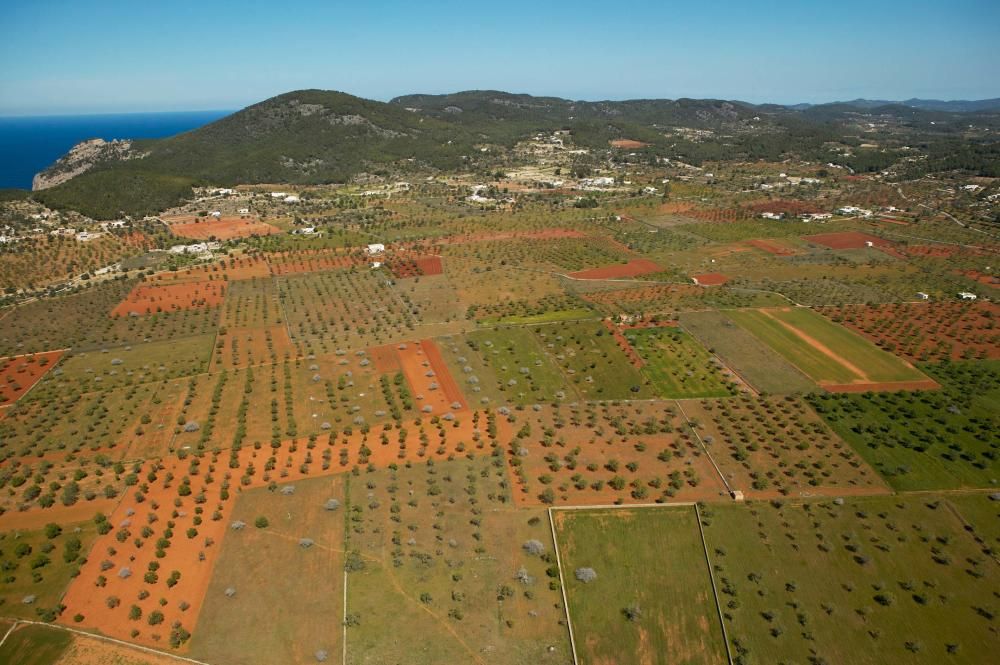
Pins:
x,y
66,56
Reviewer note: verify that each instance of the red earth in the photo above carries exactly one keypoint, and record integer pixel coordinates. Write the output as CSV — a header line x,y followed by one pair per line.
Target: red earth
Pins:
x,y
404,267
772,247
633,268
224,228
710,279
847,240
19,373
149,299
628,144
624,345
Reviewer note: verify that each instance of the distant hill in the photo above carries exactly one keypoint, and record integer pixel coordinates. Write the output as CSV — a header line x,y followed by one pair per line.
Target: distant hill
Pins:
x,y
954,106
317,137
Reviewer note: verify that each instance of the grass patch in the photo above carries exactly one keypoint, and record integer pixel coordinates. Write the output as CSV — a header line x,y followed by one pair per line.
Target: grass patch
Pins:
x,y
676,364
34,645
652,595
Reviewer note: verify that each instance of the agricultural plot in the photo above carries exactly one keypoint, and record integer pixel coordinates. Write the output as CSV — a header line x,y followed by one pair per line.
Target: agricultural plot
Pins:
x,y
126,366
35,645
37,261
592,362
665,300
437,300
755,362
603,454
677,365
246,347
469,578
633,268
307,261
902,582
287,576
638,586
561,254
349,309
834,357
225,228
556,307
927,331
523,372
37,566
147,299
770,447
930,440
251,303
19,374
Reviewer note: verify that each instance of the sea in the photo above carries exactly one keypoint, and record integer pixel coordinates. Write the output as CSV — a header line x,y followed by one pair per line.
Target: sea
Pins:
x,y
28,144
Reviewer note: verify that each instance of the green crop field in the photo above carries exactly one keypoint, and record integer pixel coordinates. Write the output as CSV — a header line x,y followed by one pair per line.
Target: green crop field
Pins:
x,y
677,365
524,372
935,439
34,645
837,355
651,598
548,317
757,363
901,582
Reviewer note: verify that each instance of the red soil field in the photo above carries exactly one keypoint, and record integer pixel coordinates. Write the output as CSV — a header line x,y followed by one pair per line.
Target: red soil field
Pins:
x,y
932,251
193,556
404,267
847,240
149,299
710,279
624,345
719,214
926,331
314,260
244,267
418,359
772,247
633,268
384,359
547,234
981,277
628,144
19,373
224,228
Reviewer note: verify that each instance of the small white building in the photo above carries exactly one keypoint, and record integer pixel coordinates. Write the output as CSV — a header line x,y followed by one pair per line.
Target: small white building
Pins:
x,y
965,295
278,195
376,264
923,296
305,231
375,248
216,213
291,198
244,211
772,215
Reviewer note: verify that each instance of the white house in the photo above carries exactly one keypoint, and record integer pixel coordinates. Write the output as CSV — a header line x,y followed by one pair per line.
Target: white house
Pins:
x,y
87,236
216,213
923,296
278,195
965,295
375,248
291,198
772,215
244,211
306,231
223,191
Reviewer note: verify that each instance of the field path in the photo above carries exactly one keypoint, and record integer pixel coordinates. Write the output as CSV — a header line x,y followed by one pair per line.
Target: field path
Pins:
x,y
819,346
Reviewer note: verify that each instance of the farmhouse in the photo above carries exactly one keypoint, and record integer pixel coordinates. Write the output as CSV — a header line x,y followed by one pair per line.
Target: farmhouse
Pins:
x,y
965,295
216,213
375,248
291,198
243,211
854,210
278,195
772,215
923,296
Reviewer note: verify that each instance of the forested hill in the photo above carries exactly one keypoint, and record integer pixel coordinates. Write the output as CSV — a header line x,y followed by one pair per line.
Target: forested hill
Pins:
x,y
315,136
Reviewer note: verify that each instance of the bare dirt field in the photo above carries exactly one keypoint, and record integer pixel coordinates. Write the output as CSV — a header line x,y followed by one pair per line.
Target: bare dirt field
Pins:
x,y
150,299
710,279
633,268
415,266
19,373
847,240
429,377
772,246
224,228
627,144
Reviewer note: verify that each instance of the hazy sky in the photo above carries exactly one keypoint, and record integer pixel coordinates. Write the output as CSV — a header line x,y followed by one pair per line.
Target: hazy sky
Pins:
x,y
80,56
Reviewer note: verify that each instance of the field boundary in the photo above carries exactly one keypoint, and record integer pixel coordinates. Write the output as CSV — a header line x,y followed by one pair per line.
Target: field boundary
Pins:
x,y
711,459
562,588
715,590
98,636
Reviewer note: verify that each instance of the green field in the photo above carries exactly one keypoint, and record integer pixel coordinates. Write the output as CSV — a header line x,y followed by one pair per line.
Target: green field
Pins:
x,y
289,600
880,580
676,364
651,601
43,570
934,439
524,373
591,360
34,645
849,358
756,362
